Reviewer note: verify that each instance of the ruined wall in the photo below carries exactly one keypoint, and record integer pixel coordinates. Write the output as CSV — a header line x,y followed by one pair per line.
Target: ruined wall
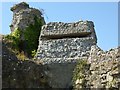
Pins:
x,y
104,70
64,48
64,30
23,16
25,28
61,45
65,40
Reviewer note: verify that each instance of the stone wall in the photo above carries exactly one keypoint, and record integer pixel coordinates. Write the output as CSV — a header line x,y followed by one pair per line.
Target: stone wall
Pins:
x,y
104,70
65,40
23,16
60,29
61,46
25,28
64,48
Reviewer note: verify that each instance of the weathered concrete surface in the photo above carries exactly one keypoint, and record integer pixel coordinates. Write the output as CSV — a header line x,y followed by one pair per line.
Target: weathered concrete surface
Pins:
x,y
60,74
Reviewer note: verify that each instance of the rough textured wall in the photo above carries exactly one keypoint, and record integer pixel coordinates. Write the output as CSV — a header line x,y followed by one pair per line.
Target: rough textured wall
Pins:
x,y
23,16
62,30
61,45
64,48
104,70
66,40
25,28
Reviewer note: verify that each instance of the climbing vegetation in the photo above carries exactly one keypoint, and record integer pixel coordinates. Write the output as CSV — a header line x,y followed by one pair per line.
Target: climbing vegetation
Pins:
x,y
24,43
79,73
31,36
13,39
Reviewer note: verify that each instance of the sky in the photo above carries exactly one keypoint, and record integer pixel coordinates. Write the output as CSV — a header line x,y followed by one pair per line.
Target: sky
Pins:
x,y
103,14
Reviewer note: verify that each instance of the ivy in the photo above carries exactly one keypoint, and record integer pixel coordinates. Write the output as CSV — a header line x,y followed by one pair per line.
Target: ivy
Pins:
x,y
31,36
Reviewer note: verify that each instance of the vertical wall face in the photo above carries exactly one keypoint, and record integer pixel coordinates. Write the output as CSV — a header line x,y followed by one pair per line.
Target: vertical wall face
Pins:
x,y
64,48
65,40
60,46
60,75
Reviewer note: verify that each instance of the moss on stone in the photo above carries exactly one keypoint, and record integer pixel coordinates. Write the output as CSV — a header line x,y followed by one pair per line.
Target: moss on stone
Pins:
x,y
79,73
